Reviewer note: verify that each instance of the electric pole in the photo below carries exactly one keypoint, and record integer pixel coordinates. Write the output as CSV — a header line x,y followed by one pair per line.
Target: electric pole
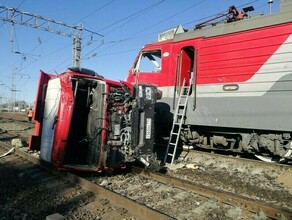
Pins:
x,y
15,16
13,90
76,52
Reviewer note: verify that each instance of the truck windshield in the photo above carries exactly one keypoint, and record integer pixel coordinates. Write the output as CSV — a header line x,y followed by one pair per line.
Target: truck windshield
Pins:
x,y
149,61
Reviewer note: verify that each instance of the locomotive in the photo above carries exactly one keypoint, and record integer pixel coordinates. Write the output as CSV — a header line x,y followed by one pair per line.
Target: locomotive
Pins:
x,y
239,72
84,122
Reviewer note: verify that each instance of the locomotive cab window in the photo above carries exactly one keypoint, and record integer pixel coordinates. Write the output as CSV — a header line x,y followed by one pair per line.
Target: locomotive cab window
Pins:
x,y
149,61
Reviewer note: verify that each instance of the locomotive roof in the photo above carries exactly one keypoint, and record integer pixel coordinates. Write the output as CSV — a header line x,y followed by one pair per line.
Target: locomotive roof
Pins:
x,y
283,16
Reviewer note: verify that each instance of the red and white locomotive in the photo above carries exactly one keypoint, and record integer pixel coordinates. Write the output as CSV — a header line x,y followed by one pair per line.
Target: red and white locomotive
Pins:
x,y
240,72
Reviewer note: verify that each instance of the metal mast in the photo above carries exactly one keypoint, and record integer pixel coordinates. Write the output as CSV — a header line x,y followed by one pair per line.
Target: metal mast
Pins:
x,y
15,16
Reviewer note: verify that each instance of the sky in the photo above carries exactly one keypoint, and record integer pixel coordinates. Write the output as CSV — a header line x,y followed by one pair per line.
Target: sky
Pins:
x,y
115,32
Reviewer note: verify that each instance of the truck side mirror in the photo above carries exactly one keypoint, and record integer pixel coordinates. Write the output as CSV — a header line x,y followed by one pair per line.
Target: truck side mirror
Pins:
x,y
133,71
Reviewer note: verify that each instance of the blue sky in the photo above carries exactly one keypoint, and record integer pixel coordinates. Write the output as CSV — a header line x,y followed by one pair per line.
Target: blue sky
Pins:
x,y
126,25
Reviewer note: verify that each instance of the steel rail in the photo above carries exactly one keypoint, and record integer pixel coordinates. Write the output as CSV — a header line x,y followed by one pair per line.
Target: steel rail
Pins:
x,y
134,208
248,204
20,120
15,135
194,152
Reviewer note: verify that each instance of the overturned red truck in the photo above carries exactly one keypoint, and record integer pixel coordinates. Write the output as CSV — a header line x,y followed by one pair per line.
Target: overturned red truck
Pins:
x,y
87,123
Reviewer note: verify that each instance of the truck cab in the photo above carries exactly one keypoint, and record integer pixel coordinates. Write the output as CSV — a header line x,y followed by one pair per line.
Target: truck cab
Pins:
x,y
87,123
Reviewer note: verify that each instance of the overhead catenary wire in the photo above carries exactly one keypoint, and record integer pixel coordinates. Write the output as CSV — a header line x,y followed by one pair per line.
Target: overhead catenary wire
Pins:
x,y
134,36
127,19
131,17
145,28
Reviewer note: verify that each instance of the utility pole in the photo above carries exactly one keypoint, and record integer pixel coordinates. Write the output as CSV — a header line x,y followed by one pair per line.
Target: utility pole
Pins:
x,y
76,52
13,90
15,16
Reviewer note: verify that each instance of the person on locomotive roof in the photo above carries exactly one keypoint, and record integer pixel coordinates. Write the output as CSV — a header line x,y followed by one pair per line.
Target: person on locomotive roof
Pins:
x,y
236,15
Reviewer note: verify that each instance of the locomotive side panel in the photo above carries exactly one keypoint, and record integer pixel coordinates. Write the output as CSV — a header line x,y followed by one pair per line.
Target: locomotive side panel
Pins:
x,y
238,57
246,88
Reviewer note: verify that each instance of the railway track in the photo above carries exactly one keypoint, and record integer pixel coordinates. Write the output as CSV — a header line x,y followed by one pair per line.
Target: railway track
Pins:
x,y
72,196
231,199
181,199
166,191
16,116
15,127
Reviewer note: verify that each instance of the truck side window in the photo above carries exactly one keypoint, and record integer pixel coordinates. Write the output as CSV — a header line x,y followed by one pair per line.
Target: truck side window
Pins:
x,y
149,61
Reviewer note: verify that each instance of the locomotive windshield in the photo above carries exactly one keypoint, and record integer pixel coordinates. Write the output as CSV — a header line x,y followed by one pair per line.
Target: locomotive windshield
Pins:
x,y
149,61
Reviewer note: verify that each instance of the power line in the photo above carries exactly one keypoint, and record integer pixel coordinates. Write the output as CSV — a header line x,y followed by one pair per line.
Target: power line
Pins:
x,y
58,50
20,4
15,16
132,16
95,11
144,28
152,25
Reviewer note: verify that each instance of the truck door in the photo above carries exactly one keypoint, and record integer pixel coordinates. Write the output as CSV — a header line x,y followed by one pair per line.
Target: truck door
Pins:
x,y
35,140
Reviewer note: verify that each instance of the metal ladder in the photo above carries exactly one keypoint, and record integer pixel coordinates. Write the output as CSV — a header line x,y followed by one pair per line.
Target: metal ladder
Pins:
x,y
177,121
